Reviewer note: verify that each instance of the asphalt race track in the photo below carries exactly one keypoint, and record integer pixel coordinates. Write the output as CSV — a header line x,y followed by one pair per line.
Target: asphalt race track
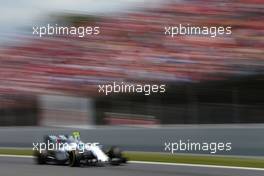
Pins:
x,y
10,166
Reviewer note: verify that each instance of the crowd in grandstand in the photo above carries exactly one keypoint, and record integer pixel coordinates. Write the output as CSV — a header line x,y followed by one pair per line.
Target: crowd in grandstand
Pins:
x,y
132,47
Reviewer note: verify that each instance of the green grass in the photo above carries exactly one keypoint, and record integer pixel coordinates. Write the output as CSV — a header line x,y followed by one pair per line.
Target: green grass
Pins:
x,y
6,151
180,158
196,159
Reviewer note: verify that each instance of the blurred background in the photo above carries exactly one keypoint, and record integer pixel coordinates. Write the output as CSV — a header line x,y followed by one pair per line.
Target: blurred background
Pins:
x,y
52,81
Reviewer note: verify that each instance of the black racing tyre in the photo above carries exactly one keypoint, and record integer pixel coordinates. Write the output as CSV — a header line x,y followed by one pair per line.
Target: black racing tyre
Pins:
x,y
124,160
40,157
114,152
116,157
74,160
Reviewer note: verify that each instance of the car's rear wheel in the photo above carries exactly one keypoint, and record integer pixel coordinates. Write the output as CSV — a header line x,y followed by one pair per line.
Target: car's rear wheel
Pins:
x,y
40,157
74,160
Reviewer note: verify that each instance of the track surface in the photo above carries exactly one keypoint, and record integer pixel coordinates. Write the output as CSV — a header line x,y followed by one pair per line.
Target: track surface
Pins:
x,y
27,167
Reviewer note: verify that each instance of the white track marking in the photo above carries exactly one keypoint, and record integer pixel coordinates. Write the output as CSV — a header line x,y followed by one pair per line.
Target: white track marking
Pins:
x,y
163,163
16,156
197,165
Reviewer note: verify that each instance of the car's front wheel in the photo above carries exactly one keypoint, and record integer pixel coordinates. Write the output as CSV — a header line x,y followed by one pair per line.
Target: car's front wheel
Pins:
x,y
115,155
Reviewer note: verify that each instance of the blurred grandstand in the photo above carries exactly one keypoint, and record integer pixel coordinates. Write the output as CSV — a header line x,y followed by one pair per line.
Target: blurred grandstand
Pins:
x,y
209,80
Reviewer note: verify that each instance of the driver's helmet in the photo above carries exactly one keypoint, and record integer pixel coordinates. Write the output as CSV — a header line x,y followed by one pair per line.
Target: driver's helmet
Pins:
x,y
76,135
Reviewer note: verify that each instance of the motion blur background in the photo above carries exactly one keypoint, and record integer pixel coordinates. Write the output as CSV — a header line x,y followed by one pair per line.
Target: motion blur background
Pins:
x,y
52,81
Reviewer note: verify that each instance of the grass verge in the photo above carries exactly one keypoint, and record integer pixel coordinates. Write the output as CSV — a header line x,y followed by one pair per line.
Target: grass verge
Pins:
x,y
169,158
14,151
196,159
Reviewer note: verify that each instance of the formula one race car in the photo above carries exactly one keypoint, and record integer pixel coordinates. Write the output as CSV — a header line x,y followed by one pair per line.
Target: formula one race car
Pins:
x,y
70,150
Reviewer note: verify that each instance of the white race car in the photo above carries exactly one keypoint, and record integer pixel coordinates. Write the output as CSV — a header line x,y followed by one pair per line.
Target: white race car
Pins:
x,y
70,150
